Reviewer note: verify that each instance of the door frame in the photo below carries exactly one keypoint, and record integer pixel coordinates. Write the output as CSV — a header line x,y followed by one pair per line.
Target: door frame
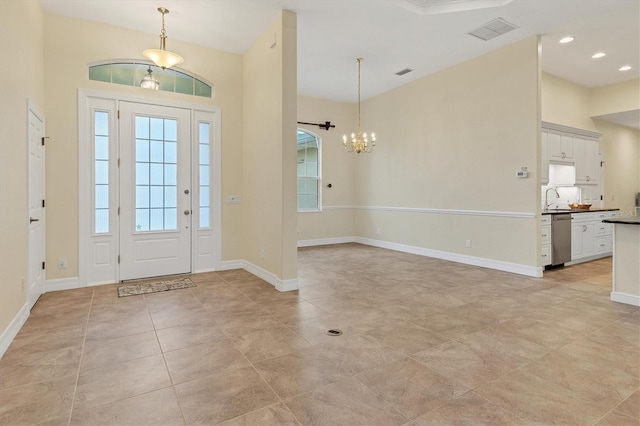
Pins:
x,y
106,270
31,255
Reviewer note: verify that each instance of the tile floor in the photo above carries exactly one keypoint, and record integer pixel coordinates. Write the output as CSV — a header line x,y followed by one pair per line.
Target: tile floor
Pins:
x,y
425,342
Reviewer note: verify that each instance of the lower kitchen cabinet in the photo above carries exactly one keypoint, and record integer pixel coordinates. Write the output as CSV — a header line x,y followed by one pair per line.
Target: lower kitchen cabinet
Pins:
x,y
590,238
582,240
545,240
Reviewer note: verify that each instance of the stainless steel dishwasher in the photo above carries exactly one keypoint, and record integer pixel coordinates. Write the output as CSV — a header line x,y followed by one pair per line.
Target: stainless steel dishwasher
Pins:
x,y
560,239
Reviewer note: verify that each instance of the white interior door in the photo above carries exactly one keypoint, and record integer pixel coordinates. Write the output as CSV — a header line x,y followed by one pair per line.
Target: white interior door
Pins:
x,y
155,190
35,273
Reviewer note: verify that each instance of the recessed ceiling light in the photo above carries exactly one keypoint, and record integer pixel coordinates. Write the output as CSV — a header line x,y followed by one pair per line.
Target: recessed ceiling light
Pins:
x,y
599,55
567,39
625,68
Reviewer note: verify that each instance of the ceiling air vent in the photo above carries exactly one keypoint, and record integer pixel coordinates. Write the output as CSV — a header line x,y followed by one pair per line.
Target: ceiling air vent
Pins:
x,y
404,71
493,29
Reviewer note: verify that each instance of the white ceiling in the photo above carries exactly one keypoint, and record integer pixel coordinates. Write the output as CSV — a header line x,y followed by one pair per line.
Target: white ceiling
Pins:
x,y
391,35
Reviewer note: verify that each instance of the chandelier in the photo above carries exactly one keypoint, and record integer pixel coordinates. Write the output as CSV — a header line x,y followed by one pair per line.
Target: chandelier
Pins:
x,y
149,81
359,142
162,57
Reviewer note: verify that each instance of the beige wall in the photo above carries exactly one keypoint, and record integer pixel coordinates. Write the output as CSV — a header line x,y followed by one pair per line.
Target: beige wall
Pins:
x,y
22,77
336,218
269,149
454,140
566,103
620,147
70,44
615,98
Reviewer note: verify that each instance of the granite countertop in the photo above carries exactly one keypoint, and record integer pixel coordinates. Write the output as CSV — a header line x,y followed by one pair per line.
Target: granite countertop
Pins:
x,y
627,220
592,210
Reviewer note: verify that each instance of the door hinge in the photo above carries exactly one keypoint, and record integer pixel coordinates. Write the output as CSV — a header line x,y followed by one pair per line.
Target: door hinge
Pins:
x,y
43,138
42,203
118,211
43,265
601,198
118,259
118,114
118,162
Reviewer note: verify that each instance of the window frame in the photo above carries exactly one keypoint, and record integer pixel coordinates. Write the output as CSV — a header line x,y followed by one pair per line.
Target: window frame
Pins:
x,y
317,178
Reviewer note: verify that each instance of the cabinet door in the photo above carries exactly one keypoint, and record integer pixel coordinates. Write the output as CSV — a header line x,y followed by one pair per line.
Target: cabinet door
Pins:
x,y
592,162
566,146
580,159
576,241
588,239
554,146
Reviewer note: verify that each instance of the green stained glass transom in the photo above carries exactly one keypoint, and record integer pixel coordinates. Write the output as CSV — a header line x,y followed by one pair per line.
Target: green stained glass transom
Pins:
x,y
132,73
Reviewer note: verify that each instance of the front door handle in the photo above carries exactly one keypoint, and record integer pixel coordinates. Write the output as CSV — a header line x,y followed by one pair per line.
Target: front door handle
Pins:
x,y
31,220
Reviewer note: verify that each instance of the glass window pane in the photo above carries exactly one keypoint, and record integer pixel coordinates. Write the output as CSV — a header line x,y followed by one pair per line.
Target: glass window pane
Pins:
x,y
156,219
312,202
312,186
170,219
170,130
102,196
204,217
184,83
102,148
202,89
102,221
142,197
157,128
170,174
142,220
142,150
166,78
123,74
204,196
203,133
102,172
101,123
156,174
302,186
142,127
204,175
142,173
100,73
156,195
301,169
312,169
170,196
157,152
204,154
170,152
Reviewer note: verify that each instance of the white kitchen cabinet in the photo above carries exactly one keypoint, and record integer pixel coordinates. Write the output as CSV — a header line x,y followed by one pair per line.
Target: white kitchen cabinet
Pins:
x,y
545,240
587,161
590,238
582,240
560,147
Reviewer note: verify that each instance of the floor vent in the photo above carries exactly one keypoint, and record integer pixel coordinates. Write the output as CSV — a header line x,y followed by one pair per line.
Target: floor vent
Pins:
x,y
493,29
334,332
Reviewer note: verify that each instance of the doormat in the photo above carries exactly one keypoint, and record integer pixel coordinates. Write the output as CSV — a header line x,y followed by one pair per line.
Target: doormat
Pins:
x,y
154,287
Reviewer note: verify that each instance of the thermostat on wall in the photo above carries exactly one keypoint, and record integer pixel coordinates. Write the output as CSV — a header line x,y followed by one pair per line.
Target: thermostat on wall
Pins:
x,y
522,173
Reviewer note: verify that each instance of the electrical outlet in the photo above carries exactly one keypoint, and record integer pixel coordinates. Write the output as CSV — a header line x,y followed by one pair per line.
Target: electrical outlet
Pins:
x,y
62,263
468,244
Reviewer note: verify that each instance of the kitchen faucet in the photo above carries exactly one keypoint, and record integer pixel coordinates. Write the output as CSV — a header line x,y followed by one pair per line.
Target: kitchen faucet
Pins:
x,y
546,197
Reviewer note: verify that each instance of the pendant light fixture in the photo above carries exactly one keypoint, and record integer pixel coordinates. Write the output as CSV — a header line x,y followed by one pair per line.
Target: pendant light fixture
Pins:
x,y
359,141
162,57
149,81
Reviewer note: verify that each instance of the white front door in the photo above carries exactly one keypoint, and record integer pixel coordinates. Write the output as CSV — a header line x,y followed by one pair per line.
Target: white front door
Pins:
x,y
155,191
35,273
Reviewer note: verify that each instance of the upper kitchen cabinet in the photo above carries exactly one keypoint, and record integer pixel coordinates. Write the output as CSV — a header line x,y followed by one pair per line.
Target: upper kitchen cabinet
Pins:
x,y
568,145
587,161
560,147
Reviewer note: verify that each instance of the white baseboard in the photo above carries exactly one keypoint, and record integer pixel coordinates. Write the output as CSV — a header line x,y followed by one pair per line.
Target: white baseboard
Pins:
x,y
516,268
588,258
325,241
226,265
280,285
628,299
12,330
62,284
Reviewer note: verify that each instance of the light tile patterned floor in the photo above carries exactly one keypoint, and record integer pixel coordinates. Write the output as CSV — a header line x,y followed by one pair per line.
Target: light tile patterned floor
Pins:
x,y
426,342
